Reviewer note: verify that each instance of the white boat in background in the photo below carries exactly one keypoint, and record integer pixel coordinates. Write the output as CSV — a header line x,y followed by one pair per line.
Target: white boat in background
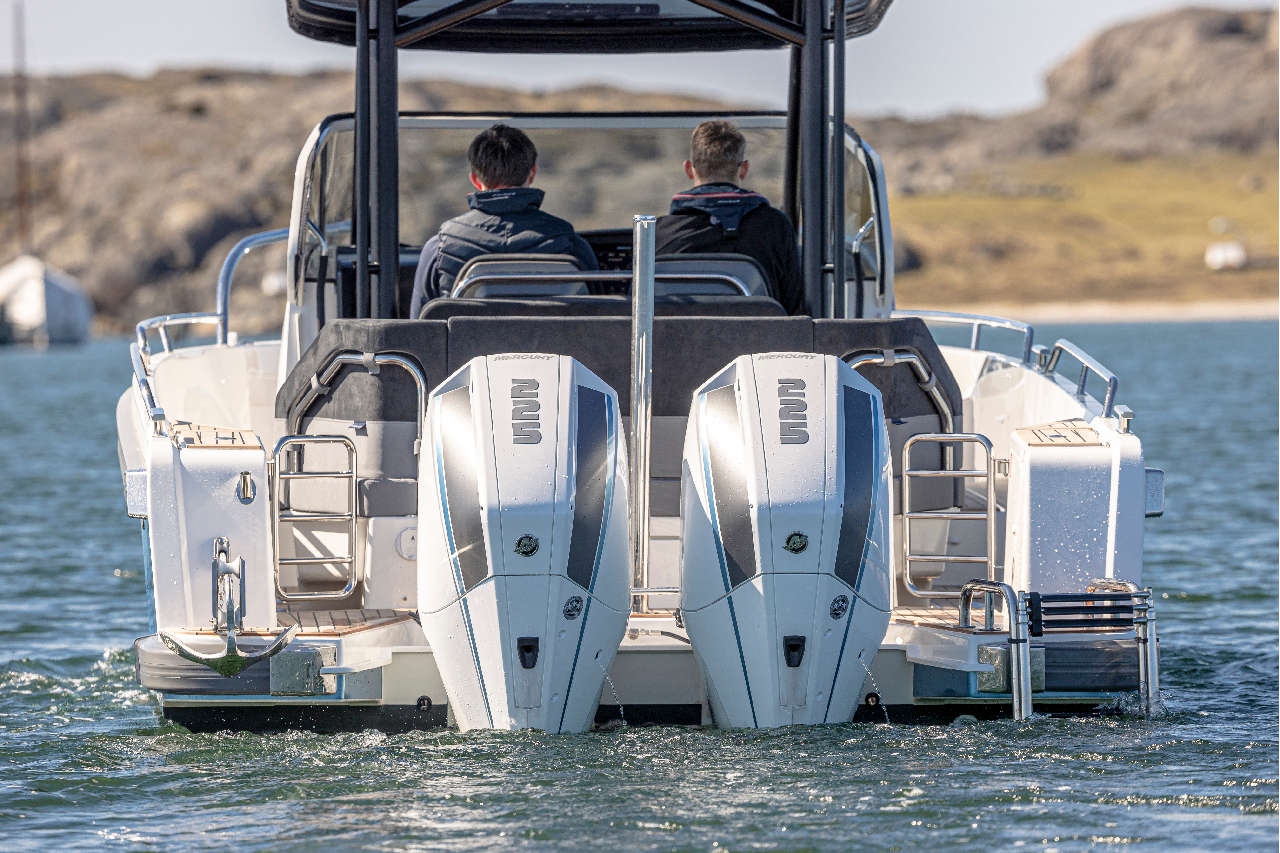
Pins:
x,y
663,499
41,305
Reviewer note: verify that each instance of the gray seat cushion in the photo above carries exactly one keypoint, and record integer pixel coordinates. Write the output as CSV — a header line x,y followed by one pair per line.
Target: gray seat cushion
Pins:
x,y
742,267
497,264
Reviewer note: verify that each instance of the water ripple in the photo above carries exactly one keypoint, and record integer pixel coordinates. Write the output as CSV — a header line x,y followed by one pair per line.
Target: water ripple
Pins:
x,y
86,761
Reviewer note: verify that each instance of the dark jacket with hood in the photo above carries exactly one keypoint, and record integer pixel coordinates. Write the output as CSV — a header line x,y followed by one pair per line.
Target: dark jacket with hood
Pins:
x,y
502,221
722,217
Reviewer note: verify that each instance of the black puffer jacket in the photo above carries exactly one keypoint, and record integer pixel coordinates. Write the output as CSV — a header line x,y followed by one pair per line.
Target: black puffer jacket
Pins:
x,y
727,218
503,221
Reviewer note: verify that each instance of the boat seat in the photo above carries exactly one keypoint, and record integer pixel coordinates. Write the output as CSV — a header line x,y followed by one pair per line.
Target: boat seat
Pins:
x,y
742,267
528,262
603,306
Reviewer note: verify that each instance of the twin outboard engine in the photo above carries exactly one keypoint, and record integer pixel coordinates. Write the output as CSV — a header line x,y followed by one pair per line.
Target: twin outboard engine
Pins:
x,y
524,558
785,565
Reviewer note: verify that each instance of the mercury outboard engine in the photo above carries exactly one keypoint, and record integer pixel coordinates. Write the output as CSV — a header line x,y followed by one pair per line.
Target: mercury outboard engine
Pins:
x,y
785,566
524,574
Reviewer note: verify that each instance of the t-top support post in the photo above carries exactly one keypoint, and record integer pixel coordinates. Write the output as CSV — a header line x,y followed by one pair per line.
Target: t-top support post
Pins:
x,y
813,135
385,169
360,207
835,169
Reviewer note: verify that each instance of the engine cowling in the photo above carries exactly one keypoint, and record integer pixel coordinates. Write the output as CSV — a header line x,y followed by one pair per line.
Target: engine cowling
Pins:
x,y
524,555
785,566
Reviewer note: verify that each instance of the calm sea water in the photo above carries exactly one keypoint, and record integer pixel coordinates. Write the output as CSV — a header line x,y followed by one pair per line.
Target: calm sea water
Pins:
x,y
86,761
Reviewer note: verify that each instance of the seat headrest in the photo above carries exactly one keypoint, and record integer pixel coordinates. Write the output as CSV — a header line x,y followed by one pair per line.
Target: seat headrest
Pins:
x,y
498,264
745,269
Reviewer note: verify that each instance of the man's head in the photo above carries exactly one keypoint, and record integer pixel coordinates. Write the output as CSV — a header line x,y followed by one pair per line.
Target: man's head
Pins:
x,y
502,157
717,155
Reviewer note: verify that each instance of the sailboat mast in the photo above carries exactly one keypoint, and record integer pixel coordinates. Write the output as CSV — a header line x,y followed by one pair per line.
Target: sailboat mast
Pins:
x,y
21,126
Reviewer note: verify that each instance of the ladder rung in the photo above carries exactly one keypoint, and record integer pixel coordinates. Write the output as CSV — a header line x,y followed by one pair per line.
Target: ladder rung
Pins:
x,y
1085,610
312,561
959,472
949,515
1114,623
315,516
313,475
943,558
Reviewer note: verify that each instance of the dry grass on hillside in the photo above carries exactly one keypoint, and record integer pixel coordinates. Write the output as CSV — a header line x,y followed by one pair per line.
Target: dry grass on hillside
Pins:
x,y
1088,227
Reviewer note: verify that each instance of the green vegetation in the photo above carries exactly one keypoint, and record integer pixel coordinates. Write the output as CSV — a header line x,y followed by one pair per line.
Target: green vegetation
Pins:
x,y
1092,227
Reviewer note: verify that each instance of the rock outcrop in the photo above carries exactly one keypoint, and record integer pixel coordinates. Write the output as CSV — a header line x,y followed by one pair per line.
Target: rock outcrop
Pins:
x,y
142,185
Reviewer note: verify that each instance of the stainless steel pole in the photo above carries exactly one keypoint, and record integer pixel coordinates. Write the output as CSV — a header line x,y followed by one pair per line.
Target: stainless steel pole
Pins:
x,y
1153,659
1020,659
1142,634
642,287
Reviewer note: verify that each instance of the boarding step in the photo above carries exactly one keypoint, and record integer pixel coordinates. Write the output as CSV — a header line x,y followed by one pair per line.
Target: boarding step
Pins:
x,y
1105,605
1080,611
287,466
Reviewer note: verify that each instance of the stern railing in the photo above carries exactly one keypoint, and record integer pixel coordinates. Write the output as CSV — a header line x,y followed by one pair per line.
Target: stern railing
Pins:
x,y
977,323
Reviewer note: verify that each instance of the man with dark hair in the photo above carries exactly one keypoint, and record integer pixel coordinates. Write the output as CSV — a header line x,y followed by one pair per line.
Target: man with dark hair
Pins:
x,y
717,215
505,217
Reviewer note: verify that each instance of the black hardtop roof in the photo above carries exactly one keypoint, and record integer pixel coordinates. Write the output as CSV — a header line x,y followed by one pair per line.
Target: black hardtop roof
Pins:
x,y
584,26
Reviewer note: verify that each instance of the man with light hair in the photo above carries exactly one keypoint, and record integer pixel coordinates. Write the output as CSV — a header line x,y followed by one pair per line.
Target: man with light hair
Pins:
x,y
717,215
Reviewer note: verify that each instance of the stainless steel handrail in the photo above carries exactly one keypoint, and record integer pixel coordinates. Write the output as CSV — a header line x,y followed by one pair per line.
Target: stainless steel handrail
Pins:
x,y
644,259
928,382
153,411
1144,629
977,322
514,278
322,237
225,276
161,324
1019,648
989,516
1088,364
369,361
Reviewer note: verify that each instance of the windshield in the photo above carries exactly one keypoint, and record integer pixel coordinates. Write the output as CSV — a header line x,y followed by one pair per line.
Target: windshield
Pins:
x,y
596,177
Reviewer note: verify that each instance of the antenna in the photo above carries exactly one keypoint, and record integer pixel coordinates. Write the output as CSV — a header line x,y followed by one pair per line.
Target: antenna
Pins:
x,y
21,126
